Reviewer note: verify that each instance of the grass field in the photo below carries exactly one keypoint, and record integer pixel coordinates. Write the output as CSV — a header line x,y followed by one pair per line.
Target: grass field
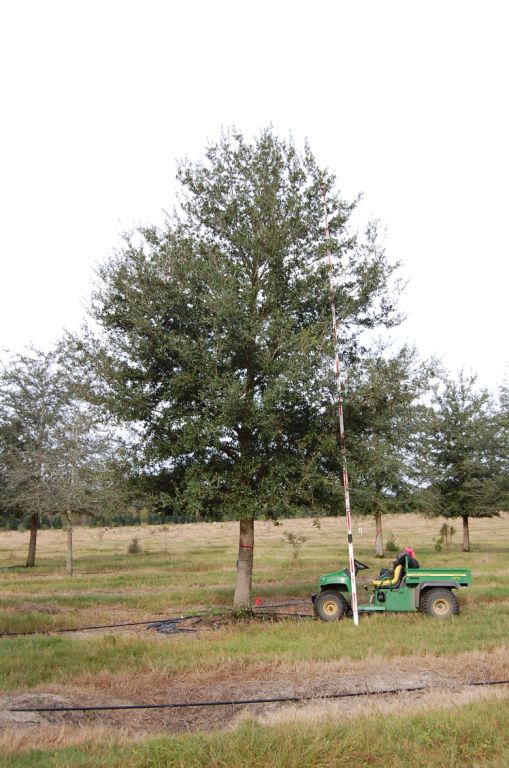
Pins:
x,y
189,569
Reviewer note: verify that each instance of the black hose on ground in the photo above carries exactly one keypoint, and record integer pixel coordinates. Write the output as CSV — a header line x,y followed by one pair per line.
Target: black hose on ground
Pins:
x,y
141,623
100,626
242,702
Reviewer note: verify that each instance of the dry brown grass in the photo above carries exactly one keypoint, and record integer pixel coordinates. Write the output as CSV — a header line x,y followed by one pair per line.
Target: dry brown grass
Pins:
x,y
444,677
407,529
344,674
60,736
230,678
106,541
381,707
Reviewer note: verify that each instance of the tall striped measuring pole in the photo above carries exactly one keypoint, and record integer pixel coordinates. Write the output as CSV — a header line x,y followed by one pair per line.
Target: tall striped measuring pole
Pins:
x,y
339,388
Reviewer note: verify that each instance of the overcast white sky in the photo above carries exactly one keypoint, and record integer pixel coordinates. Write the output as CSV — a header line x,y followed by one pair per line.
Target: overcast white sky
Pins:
x,y
406,101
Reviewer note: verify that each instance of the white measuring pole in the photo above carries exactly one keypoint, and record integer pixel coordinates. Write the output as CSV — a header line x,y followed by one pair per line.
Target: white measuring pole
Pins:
x,y
339,387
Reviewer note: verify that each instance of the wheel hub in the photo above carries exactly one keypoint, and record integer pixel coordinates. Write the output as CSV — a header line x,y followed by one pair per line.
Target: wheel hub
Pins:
x,y
440,606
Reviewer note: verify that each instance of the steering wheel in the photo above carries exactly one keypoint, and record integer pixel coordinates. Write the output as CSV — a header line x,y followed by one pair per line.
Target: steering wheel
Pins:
x,y
359,566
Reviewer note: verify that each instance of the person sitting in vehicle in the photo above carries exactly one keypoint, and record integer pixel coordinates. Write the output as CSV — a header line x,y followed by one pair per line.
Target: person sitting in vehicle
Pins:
x,y
410,554
392,576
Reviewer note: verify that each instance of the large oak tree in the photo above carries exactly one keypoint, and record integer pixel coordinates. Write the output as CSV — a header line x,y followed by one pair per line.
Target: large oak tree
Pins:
x,y
215,332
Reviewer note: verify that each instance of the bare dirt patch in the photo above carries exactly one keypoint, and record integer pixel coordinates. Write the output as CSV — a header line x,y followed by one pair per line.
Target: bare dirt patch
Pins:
x,y
50,608
444,681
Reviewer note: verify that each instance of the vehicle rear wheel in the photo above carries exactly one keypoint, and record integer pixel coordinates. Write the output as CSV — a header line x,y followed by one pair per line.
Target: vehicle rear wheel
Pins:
x,y
440,603
330,606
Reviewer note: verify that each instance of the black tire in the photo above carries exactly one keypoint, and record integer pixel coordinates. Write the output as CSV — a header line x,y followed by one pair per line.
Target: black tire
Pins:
x,y
441,603
330,606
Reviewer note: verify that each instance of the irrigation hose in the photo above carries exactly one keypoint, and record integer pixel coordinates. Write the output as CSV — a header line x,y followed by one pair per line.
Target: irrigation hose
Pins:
x,y
148,621
242,702
100,626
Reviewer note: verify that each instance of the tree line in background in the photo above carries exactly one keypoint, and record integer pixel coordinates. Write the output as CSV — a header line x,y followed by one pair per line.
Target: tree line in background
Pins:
x,y
207,390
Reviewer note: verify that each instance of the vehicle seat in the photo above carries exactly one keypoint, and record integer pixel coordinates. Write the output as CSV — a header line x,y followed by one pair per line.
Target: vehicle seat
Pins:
x,y
392,581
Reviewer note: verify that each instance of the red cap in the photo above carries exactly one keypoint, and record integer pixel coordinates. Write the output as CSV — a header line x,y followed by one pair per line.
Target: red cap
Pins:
x,y
410,551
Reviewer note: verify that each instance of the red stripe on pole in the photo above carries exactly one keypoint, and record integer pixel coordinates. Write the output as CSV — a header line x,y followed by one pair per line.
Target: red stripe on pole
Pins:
x,y
337,365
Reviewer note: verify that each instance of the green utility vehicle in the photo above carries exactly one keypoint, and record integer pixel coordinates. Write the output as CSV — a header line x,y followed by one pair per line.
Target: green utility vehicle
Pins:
x,y
404,589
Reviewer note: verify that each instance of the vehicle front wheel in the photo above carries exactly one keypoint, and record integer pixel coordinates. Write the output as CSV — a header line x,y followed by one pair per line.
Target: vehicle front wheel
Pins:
x,y
440,603
330,606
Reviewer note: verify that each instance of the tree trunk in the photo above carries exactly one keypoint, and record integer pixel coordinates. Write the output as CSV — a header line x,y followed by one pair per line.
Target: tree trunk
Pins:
x,y
466,534
242,597
69,559
34,526
379,540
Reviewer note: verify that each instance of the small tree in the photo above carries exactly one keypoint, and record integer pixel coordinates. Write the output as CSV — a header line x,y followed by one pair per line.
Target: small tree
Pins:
x,y
56,453
380,412
31,403
83,467
502,419
464,453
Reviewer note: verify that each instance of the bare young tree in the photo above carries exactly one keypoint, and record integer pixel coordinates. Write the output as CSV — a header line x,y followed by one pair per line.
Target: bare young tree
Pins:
x,y
83,467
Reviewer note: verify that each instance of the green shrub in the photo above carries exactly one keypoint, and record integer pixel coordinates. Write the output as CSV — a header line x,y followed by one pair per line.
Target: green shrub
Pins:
x,y
295,542
134,546
445,537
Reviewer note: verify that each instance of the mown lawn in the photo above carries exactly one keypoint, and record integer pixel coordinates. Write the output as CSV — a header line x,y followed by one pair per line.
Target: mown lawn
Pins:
x,y
188,569
27,662
192,567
